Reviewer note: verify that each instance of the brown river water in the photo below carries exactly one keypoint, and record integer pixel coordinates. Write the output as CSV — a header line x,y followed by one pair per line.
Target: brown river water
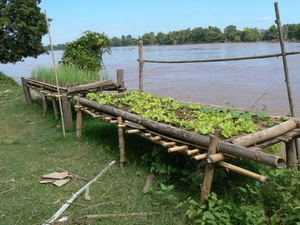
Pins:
x,y
258,83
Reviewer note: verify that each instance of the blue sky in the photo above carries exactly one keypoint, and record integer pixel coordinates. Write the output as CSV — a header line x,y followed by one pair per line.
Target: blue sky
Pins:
x,y
136,17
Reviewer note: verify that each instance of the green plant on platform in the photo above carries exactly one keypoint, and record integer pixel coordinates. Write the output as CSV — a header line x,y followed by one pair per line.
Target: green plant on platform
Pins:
x,y
193,117
67,75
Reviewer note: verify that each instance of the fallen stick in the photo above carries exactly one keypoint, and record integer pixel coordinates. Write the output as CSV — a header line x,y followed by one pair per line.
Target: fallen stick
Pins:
x,y
74,175
149,182
72,203
66,205
7,191
126,214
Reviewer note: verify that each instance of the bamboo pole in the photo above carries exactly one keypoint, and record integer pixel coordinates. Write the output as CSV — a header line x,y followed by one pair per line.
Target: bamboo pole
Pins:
x,y
291,155
215,158
200,156
266,134
224,59
286,72
178,148
244,172
66,205
121,143
141,67
209,170
56,76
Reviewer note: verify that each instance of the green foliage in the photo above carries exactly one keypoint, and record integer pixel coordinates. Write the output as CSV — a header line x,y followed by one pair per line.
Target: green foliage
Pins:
x,y
86,52
281,197
7,80
217,211
22,26
67,75
192,117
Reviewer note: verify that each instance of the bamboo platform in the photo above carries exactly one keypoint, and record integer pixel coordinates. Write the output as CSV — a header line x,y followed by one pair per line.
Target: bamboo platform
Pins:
x,y
66,94
193,144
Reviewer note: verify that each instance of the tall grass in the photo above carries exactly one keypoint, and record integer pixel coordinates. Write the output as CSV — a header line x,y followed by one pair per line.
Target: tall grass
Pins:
x,y
67,75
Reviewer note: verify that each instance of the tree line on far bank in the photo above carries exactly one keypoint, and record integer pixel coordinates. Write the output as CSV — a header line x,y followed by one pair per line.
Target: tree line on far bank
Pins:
x,y
211,34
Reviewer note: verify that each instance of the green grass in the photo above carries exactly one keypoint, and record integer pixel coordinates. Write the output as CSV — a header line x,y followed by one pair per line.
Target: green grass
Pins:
x,y
32,144
67,75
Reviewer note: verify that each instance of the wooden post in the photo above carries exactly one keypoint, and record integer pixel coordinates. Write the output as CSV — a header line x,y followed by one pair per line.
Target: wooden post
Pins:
x,y
121,143
120,80
291,156
141,66
56,112
67,112
209,170
79,120
45,105
26,92
286,72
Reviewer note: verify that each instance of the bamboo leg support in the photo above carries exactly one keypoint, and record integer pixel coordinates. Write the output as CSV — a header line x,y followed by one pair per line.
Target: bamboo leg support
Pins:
x,y
209,171
121,143
56,112
291,155
26,92
45,106
79,123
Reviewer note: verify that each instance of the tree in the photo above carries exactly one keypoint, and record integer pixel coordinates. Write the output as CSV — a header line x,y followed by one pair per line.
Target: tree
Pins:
x,y
271,33
22,26
250,35
86,52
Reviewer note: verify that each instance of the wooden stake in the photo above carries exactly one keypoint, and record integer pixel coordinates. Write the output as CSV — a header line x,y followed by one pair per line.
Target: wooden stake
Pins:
x,y
209,170
26,92
149,182
120,80
56,112
79,121
45,105
291,155
67,111
66,205
141,66
56,76
286,73
121,143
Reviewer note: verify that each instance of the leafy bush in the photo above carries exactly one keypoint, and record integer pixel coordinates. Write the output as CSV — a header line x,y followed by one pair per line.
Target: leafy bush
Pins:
x,y
86,52
7,80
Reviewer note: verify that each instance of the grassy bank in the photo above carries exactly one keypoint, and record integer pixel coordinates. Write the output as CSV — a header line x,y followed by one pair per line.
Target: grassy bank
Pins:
x,y
32,145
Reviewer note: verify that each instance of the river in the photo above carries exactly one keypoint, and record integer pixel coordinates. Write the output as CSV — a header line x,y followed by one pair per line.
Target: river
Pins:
x,y
255,83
